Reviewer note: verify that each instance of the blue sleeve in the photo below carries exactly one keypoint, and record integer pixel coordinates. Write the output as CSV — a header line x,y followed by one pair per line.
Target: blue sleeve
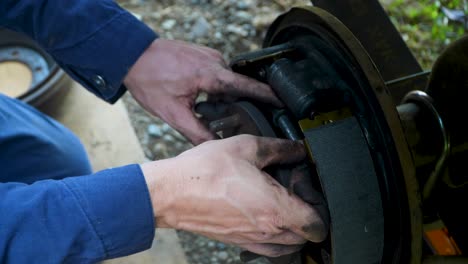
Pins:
x,y
96,42
76,220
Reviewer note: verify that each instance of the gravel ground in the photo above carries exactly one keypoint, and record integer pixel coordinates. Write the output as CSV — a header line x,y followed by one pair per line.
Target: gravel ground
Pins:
x,y
232,27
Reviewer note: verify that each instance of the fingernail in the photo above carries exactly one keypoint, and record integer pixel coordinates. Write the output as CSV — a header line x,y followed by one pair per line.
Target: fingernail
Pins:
x,y
317,231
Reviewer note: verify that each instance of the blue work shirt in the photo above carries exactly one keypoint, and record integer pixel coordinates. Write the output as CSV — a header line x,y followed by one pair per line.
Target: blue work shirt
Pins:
x,y
89,218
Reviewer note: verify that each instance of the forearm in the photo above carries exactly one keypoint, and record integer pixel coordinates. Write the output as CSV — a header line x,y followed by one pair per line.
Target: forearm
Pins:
x,y
76,220
93,41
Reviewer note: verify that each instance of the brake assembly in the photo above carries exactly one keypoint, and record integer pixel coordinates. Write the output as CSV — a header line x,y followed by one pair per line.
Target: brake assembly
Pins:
x,y
362,147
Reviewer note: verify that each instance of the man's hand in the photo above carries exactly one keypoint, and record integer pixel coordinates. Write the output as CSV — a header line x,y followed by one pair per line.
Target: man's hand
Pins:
x,y
219,190
170,74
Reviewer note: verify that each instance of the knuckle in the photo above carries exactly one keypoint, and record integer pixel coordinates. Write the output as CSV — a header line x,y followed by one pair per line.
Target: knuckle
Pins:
x,y
262,237
278,221
248,141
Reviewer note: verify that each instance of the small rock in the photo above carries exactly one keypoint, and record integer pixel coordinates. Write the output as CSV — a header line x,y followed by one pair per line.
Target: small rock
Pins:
x,y
168,35
262,21
148,154
168,24
218,35
211,244
137,2
223,255
201,27
166,128
155,15
154,130
179,145
237,30
242,5
253,46
221,246
250,29
244,16
168,138
138,16
159,148
178,136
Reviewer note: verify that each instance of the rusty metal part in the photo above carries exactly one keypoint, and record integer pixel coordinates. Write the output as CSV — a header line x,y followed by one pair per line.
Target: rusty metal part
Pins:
x,y
373,28
299,21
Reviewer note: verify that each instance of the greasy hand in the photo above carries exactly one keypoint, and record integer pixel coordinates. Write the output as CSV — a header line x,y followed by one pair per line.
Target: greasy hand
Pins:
x,y
219,190
169,75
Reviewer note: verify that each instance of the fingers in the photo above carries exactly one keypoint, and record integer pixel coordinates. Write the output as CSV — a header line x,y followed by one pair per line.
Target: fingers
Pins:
x,y
271,250
272,151
189,126
302,185
293,213
237,85
304,220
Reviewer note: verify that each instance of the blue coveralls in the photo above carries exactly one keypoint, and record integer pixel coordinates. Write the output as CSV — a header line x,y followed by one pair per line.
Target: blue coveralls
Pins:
x,y
52,208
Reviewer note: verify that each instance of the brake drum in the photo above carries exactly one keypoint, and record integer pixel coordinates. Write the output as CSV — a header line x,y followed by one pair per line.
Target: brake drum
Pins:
x,y
350,123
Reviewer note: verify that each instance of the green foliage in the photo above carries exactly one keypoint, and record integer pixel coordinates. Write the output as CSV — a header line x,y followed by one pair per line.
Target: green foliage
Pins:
x,y
424,26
